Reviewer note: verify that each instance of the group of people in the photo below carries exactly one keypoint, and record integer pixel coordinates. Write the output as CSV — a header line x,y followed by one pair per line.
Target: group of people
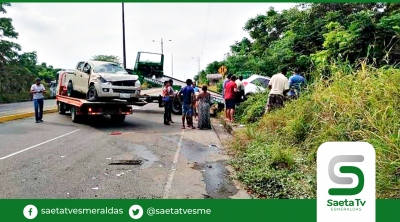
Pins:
x,y
279,85
233,93
195,103
281,88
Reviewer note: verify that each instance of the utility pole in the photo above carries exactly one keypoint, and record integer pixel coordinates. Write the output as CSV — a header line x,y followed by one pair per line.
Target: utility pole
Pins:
x,y
162,44
162,47
198,64
172,65
123,35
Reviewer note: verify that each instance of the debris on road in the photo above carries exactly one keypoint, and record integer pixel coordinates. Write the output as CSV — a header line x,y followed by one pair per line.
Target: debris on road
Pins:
x,y
206,196
115,133
109,158
213,145
95,188
127,162
209,166
62,156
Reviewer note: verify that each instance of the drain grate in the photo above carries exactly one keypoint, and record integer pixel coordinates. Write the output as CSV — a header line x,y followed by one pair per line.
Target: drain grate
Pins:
x,y
127,162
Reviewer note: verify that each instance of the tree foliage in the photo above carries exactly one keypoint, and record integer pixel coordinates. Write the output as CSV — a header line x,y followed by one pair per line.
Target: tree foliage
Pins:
x,y
107,58
17,70
313,34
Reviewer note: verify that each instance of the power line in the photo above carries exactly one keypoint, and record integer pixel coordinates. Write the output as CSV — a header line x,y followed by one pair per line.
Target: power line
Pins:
x,y
205,30
223,25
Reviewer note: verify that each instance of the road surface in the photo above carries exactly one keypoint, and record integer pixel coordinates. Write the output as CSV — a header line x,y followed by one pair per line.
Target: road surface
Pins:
x,y
61,159
23,107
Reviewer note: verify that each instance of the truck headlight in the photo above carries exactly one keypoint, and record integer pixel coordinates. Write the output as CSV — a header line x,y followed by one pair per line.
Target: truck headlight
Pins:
x,y
102,80
137,83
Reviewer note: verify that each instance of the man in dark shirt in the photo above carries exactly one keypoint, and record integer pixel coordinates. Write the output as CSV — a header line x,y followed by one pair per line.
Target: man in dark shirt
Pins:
x,y
187,99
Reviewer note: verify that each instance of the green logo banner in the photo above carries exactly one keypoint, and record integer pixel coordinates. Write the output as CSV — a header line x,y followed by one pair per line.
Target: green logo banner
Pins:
x,y
177,210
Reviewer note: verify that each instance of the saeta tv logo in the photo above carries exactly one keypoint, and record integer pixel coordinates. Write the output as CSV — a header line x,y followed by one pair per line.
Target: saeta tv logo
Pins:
x,y
346,182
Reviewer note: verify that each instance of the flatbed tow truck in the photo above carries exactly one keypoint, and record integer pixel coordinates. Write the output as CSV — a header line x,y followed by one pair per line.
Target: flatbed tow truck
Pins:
x,y
81,108
149,68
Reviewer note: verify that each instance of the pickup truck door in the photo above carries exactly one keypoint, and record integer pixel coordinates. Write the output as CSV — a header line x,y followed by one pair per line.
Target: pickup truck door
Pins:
x,y
76,77
84,77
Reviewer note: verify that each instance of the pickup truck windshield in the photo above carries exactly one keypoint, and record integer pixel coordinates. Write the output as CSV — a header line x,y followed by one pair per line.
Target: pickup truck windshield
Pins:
x,y
110,68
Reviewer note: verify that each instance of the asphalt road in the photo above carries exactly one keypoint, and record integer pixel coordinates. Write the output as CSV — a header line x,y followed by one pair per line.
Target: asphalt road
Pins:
x,y
61,159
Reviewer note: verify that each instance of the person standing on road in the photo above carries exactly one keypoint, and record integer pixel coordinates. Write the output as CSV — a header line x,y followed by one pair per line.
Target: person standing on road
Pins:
x,y
196,93
228,78
230,90
240,87
278,86
204,102
296,82
187,95
195,88
171,103
37,91
166,96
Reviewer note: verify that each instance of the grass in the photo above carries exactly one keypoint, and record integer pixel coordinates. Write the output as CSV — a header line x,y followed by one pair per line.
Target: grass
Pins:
x,y
275,155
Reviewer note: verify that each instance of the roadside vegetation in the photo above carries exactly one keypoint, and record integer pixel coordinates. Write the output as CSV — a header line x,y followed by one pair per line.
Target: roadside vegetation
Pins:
x,y
19,70
349,54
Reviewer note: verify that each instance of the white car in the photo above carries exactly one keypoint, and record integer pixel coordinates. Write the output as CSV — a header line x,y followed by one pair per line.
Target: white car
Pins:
x,y
105,80
255,84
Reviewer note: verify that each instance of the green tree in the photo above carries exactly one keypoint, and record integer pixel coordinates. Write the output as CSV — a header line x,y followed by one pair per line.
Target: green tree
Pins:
x,y
107,58
8,49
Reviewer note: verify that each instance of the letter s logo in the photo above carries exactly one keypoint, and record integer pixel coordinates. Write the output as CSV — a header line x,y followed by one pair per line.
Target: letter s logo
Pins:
x,y
346,180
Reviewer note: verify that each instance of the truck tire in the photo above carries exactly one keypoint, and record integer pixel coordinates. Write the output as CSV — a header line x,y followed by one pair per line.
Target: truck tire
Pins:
x,y
91,95
176,108
61,108
75,118
70,90
118,118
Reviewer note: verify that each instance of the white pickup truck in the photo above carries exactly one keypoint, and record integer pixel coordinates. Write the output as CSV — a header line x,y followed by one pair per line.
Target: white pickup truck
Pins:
x,y
99,80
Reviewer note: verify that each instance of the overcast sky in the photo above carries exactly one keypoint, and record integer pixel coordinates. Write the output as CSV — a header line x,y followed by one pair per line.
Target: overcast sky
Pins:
x,y
65,33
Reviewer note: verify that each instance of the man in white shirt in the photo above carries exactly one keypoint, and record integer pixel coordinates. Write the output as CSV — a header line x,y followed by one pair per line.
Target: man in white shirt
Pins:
x,y
278,86
37,91
240,93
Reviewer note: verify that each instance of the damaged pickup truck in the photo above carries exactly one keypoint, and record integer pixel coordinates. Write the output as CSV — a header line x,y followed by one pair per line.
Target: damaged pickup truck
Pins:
x,y
98,80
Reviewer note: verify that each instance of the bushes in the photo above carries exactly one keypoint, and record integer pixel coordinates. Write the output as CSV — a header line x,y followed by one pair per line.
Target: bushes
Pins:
x,y
252,109
276,157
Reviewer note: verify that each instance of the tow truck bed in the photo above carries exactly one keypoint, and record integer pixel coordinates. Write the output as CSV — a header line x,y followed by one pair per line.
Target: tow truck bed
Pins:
x,y
79,108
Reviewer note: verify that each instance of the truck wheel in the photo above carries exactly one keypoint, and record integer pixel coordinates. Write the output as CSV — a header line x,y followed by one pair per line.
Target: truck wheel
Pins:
x,y
61,108
91,95
176,108
75,118
118,118
70,90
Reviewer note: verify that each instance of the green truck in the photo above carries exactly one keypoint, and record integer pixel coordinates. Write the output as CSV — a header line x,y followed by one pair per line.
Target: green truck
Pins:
x,y
149,66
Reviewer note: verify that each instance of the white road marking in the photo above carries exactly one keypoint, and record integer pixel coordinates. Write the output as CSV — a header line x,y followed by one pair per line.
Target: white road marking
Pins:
x,y
173,169
2,158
